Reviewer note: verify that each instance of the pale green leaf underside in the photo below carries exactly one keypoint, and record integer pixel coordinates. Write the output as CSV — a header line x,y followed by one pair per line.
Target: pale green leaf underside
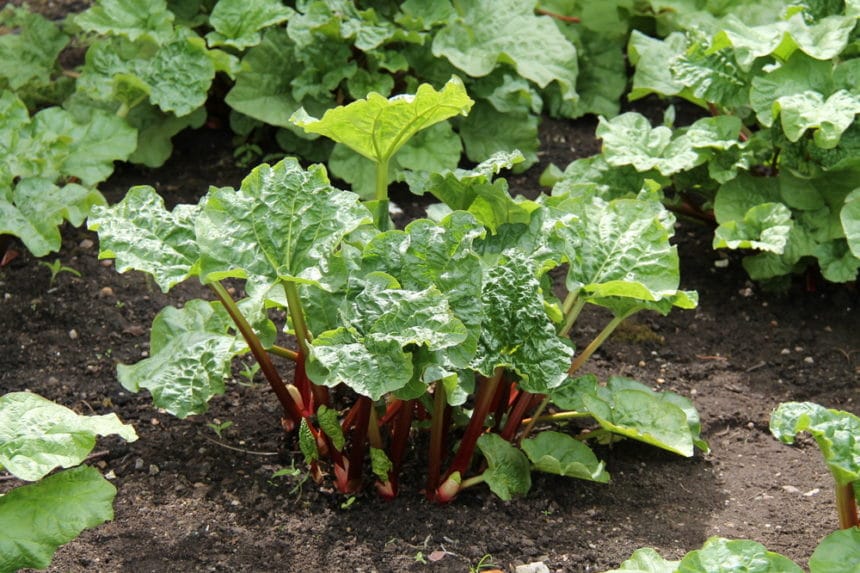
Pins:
x,y
36,519
508,473
836,432
377,127
37,435
561,454
190,355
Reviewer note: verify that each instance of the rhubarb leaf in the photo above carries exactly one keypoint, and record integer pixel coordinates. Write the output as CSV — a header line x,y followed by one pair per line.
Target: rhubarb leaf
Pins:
x,y
836,432
190,356
377,127
129,18
488,131
37,435
508,473
330,425
751,215
38,518
142,235
561,454
237,23
380,464
718,554
839,552
850,218
647,560
283,224
621,248
486,34
379,325
520,336
28,57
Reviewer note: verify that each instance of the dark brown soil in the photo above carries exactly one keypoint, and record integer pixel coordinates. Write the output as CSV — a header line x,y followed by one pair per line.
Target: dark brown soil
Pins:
x,y
191,501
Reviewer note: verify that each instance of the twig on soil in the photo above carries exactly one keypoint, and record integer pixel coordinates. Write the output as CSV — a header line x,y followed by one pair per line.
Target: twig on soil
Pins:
x,y
244,451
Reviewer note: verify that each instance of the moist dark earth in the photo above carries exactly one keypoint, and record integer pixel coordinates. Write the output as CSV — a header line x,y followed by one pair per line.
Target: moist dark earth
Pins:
x,y
190,500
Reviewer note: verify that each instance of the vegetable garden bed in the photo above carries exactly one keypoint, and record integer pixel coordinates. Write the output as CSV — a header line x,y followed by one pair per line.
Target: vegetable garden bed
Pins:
x,y
193,500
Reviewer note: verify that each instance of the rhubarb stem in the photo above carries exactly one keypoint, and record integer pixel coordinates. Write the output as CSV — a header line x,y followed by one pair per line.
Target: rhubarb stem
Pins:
x,y
534,419
846,505
292,407
382,195
474,480
284,352
297,316
580,359
571,314
557,417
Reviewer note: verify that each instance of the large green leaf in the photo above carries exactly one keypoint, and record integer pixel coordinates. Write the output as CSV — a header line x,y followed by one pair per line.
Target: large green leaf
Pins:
x,y
839,552
620,248
487,33
377,127
237,23
508,473
284,223
142,235
190,355
180,75
646,560
488,131
799,75
30,56
850,217
129,18
518,334
718,554
561,454
35,208
836,432
37,435
369,353
652,59
38,518
631,409
764,227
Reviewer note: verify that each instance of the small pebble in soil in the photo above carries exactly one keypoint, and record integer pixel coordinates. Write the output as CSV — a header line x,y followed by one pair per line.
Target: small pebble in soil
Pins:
x,y
138,464
153,469
809,360
86,244
106,291
73,334
106,263
721,263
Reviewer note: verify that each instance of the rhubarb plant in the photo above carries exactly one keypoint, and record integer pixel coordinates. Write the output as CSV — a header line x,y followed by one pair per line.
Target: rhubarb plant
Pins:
x,y
776,165
449,326
837,434
38,436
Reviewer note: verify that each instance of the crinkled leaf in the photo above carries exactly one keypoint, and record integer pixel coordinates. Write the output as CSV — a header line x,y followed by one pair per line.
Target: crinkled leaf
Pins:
x,y
284,223
35,208
180,75
561,454
307,442
508,473
646,560
839,552
712,76
824,39
809,110
718,554
520,336
38,518
30,56
37,435
651,56
764,227
437,255
129,18
330,425
237,23
836,432
142,235
378,326
850,218
190,356
377,127
797,76
264,86
488,33
593,175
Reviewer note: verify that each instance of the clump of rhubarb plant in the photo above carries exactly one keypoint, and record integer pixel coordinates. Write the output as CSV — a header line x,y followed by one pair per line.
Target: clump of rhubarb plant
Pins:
x,y
447,329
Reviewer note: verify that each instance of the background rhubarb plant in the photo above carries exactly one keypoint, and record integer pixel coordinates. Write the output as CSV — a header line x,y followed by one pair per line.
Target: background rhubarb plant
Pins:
x,y
449,325
38,436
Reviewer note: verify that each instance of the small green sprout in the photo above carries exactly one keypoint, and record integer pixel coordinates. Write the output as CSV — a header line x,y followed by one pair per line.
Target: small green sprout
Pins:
x,y
56,268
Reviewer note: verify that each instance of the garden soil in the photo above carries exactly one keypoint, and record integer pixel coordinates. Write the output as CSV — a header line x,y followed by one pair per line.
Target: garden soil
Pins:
x,y
190,499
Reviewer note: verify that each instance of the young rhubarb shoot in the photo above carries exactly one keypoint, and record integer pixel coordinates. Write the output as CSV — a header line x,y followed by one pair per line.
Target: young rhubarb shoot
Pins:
x,y
377,127
836,433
